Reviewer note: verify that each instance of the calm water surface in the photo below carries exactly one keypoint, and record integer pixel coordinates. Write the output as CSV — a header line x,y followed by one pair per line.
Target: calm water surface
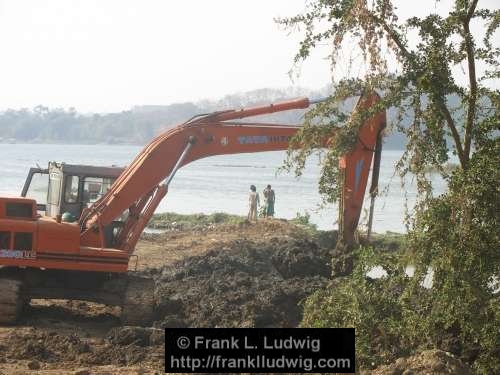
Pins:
x,y
221,183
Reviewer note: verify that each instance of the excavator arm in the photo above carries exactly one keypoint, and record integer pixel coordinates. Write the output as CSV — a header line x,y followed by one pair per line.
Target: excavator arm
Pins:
x,y
355,169
142,185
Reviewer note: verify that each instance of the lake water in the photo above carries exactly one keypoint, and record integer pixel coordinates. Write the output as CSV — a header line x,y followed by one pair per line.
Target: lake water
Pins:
x,y
221,183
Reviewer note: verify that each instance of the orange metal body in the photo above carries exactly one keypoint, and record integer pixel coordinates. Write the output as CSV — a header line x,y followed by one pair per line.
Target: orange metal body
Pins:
x,y
356,168
140,188
54,245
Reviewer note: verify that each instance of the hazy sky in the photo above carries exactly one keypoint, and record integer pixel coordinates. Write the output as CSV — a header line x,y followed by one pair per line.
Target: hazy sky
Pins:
x,y
109,55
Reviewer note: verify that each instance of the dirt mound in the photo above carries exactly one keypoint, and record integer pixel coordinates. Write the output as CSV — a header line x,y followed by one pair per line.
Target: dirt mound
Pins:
x,y
136,336
435,362
53,348
301,258
242,284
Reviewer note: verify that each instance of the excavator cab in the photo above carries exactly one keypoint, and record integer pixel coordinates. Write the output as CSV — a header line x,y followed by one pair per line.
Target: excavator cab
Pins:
x,y
66,189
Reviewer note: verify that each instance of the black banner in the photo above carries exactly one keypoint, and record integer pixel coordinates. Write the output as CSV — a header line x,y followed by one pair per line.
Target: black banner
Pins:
x,y
280,350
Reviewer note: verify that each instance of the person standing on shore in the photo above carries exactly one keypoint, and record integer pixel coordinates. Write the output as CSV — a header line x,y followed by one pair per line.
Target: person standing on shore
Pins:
x,y
269,199
253,202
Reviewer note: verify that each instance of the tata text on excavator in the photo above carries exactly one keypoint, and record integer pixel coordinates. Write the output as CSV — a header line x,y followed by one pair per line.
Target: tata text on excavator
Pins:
x,y
48,256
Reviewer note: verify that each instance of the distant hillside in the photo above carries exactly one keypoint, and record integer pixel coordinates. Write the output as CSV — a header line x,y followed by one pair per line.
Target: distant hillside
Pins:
x,y
141,123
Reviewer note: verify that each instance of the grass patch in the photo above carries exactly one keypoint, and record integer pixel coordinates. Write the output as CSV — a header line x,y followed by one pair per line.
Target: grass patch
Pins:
x,y
389,241
171,220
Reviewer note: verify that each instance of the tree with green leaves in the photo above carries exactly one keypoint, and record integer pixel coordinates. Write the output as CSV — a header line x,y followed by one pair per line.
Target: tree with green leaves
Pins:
x,y
439,75
411,63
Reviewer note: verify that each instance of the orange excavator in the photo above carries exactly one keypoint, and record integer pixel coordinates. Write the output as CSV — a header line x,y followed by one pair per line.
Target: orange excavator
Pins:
x,y
88,258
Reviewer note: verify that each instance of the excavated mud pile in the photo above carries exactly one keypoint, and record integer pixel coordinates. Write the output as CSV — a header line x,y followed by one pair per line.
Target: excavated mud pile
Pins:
x,y
435,362
242,284
123,347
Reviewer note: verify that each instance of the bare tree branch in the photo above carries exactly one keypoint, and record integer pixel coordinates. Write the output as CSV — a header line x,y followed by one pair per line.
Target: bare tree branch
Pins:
x,y
463,157
471,107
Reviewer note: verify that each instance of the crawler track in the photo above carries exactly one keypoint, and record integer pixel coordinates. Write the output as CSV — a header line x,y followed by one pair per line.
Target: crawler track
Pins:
x,y
134,294
10,300
138,302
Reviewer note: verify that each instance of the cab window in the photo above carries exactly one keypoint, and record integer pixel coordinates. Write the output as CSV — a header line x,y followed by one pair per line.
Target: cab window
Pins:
x,y
95,187
71,189
38,187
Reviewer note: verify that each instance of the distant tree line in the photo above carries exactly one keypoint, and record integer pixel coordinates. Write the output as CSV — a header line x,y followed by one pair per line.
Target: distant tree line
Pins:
x,y
42,124
141,123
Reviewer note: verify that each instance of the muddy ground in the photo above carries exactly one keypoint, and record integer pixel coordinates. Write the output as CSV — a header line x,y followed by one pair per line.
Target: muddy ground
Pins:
x,y
227,275
224,275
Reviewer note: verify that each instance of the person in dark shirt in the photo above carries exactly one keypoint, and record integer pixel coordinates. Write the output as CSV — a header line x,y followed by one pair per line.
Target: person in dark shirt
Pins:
x,y
270,198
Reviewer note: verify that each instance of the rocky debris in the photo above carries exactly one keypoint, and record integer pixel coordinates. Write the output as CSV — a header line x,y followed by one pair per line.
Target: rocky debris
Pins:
x,y
139,336
31,344
51,347
301,259
34,365
242,284
435,362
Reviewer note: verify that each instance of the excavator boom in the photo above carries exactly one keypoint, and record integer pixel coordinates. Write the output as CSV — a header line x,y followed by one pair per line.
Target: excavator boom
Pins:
x,y
210,134
144,183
